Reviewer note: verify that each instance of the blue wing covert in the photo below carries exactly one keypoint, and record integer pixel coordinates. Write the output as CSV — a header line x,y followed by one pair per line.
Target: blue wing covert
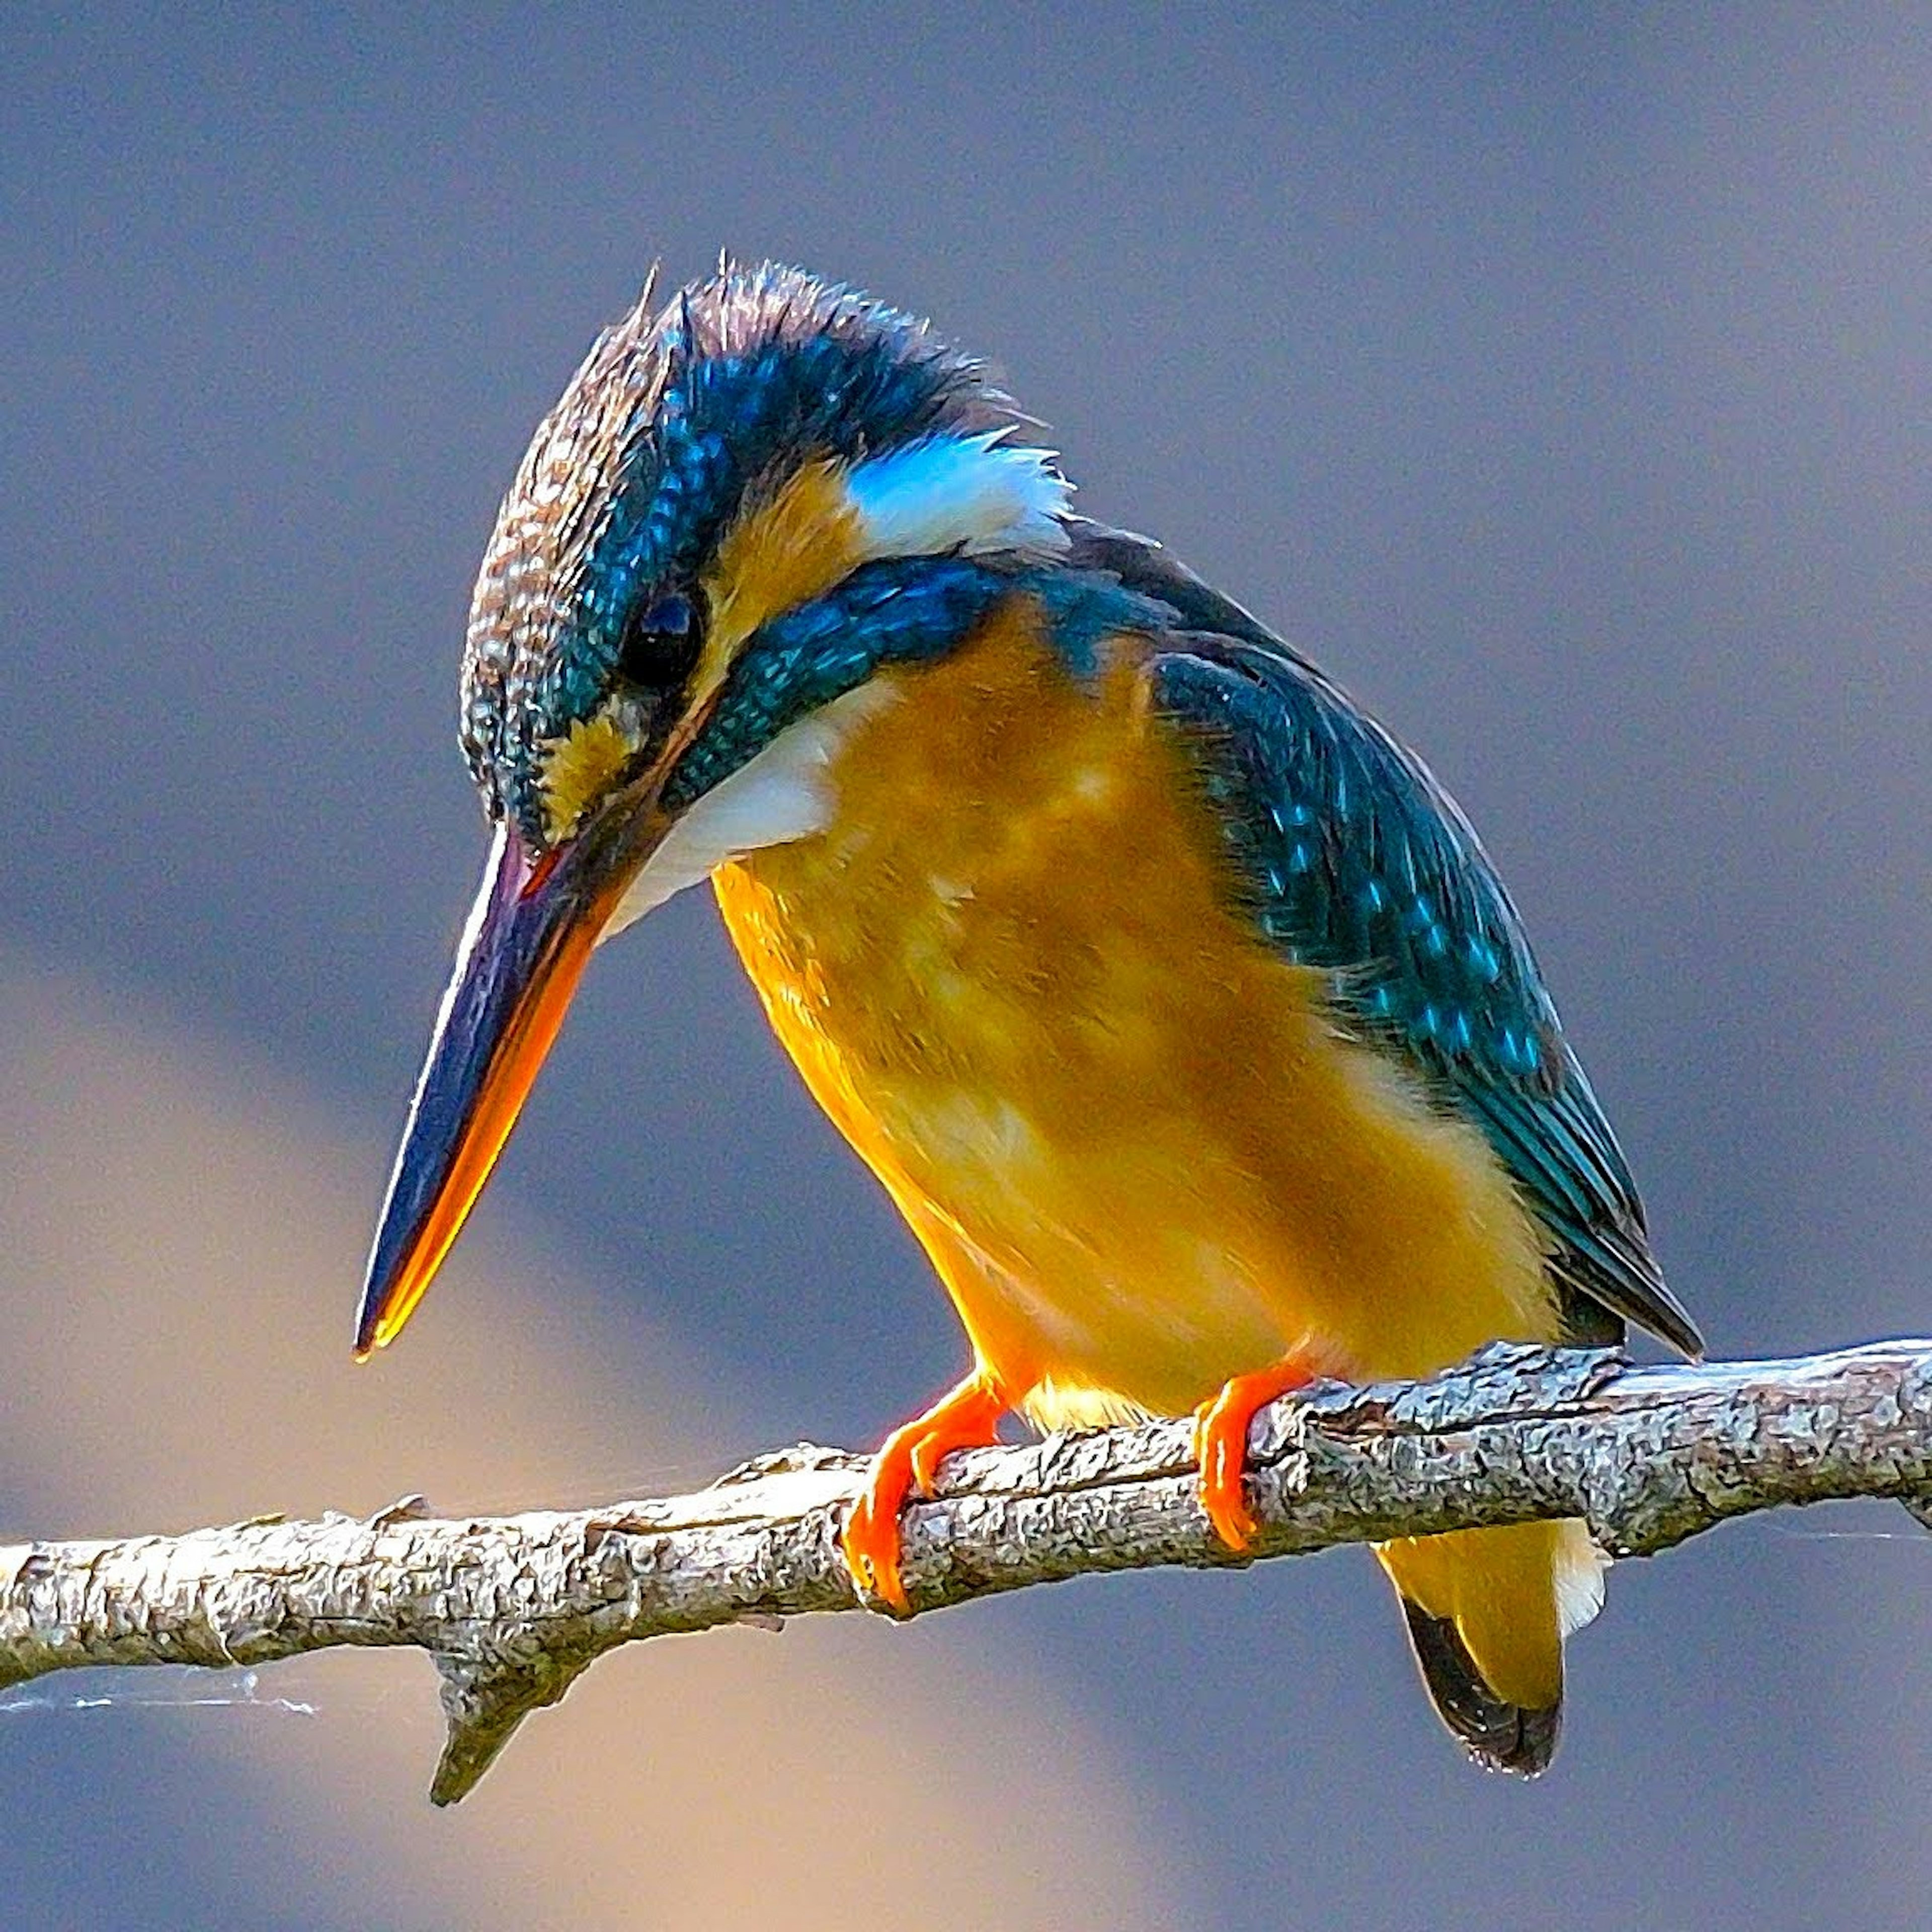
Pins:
x,y
1356,862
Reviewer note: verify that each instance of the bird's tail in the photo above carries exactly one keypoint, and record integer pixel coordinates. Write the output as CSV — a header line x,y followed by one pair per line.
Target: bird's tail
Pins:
x,y
1488,1610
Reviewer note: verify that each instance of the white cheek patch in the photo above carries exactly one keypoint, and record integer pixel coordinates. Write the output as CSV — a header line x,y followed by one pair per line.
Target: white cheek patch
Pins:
x,y
784,793
969,494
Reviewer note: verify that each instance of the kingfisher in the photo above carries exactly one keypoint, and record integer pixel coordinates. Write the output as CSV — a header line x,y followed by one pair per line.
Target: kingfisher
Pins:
x,y
1172,1001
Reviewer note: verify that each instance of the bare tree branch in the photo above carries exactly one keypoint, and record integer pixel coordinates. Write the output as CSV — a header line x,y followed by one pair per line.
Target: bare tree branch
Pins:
x,y
513,1609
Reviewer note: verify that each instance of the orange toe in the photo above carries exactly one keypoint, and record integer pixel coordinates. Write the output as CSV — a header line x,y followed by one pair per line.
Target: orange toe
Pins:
x,y
1221,1444
965,1417
871,1537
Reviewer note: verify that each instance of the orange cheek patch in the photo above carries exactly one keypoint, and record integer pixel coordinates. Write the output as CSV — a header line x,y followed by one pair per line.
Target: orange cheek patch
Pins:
x,y
784,550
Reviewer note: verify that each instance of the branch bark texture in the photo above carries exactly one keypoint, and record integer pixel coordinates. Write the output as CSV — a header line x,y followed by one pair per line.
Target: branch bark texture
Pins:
x,y
514,1608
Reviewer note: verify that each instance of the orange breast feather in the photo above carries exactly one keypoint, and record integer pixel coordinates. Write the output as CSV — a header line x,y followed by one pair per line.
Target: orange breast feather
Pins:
x,y
1138,1151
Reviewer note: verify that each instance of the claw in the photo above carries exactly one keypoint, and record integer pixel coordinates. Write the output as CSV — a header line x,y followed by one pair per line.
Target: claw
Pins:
x,y
1221,1444
965,1417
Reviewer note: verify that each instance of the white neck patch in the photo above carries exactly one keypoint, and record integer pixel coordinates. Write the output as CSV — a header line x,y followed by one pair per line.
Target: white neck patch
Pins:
x,y
971,493
784,793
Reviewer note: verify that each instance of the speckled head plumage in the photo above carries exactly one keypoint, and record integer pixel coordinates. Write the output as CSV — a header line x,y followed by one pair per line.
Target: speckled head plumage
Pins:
x,y
593,590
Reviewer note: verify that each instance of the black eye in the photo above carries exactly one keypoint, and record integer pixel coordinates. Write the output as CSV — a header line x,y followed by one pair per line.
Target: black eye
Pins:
x,y
660,643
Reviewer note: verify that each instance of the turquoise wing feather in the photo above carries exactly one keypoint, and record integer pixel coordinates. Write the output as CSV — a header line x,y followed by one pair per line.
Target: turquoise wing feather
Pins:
x,y
1356,861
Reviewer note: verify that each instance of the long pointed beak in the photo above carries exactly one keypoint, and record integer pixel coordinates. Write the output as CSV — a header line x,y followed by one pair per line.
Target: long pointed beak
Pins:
x,y
529,936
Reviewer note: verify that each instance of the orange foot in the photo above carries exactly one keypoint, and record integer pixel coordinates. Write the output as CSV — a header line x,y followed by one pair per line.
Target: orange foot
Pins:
x,y
1221,1443
965,1417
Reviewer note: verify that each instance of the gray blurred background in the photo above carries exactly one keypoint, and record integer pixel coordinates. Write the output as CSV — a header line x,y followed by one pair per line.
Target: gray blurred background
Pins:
x,y
1559,378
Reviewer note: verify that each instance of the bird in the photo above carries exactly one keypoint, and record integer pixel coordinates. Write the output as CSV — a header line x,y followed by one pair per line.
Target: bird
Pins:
x,y
1171,1000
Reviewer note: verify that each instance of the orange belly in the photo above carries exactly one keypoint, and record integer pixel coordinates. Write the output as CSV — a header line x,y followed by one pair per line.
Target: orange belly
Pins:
x,y
1013,970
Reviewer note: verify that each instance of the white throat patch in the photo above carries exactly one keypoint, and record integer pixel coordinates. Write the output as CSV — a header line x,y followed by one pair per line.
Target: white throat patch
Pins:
x,y
785,793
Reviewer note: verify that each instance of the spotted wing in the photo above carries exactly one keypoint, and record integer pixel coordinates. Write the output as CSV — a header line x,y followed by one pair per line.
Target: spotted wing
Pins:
x,y
1357,862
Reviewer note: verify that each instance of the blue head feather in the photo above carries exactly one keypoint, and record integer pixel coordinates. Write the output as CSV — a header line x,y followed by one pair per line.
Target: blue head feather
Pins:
x,y
633,478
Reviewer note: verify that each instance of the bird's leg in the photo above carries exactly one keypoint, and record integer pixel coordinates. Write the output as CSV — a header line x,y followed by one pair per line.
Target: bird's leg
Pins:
x,y
1221,1442
967,1417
